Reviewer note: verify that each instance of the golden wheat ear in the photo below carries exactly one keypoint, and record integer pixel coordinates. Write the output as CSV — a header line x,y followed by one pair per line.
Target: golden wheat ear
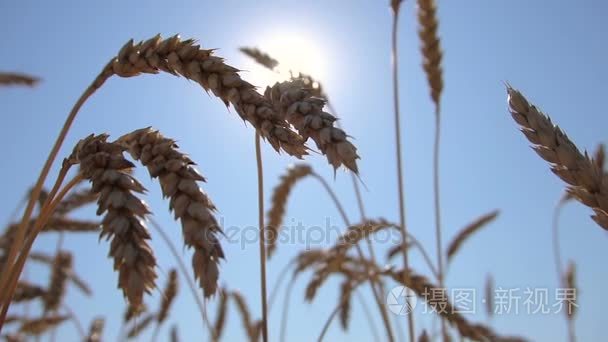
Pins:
x,y
435,296
168,296
178,180
139,325
586,180
260,57
280,195
62,266
305,112
185,58
27,291
110,174
468,231
431,49
12,78
39,326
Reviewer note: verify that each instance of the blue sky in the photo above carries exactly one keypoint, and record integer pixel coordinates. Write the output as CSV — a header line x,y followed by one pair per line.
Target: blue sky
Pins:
x,y
552,51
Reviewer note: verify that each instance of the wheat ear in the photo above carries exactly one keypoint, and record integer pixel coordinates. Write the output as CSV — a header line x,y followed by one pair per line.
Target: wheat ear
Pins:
x,y
346,290
12,78
280,195
75,200
62,265
425,289
140,326
586,181
431,48
168,296
178,181
71,274
246,317
27,291
260,57
133,311
104,165
189,60
305,112
39,326
468,231
270,63
220,319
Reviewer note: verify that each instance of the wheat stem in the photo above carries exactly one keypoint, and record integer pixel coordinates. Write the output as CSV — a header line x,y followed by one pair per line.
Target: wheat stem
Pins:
x,y
333,315
283,330
184,271
559,266
361,207
275,290
75,320
368,315
397,123
436,194
13,277
262,238
8,275
20,234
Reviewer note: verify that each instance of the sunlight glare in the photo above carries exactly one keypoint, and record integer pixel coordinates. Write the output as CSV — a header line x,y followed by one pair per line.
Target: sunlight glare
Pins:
x,y
294,52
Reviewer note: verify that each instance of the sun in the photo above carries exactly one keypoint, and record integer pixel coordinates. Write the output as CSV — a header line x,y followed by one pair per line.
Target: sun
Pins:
x,y
295,53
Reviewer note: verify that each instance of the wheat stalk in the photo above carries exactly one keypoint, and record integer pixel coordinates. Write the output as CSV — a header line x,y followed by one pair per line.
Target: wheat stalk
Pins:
x,y
468,231
431,54
489,291
280,195
12,78
305,112
174,337
260,57
178,180
262,238
110,174
395,7
586,181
